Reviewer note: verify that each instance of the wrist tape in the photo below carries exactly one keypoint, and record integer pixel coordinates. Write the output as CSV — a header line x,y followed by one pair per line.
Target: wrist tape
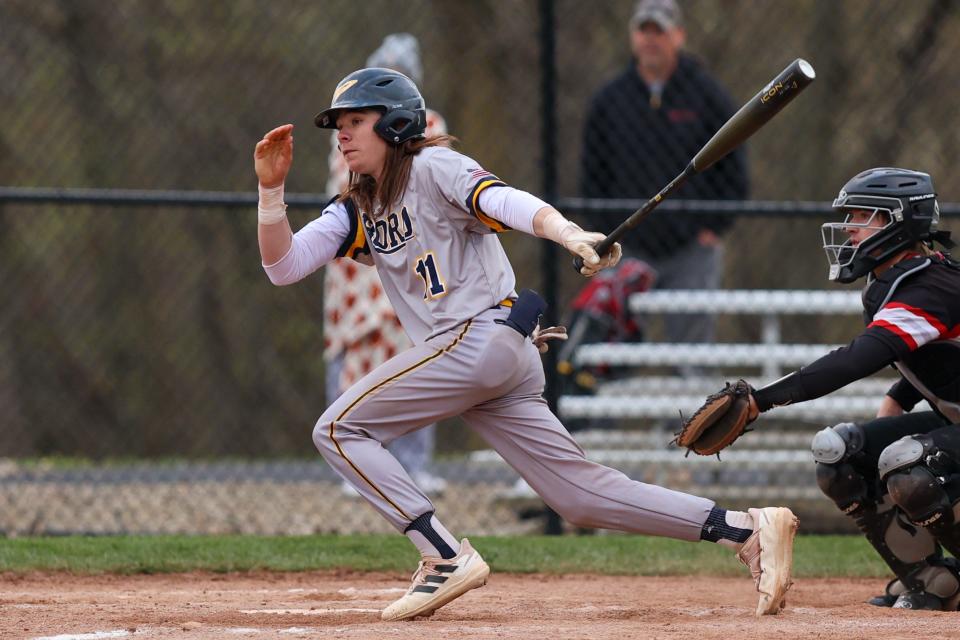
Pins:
x,y
271,209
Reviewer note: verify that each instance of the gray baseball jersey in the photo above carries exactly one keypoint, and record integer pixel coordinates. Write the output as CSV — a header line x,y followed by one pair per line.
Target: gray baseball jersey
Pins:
x,y
436,253
450,282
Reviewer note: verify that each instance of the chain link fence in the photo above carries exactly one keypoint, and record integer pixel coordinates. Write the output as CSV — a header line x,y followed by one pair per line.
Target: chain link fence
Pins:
x,y
152,380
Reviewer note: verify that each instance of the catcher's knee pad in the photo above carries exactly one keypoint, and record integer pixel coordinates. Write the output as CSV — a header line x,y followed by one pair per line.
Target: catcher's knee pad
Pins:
x,y
837,443
916,449
914,471
921,496
839,480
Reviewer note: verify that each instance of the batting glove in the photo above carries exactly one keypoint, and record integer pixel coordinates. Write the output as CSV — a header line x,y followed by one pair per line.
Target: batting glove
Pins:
x,y
581,243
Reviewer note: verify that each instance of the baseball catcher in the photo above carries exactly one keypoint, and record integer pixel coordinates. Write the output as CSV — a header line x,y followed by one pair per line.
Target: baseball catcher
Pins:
x,y
898,475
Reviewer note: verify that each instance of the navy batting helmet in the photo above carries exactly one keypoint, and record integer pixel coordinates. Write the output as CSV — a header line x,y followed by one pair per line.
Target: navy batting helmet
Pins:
x,y
909,202
404,112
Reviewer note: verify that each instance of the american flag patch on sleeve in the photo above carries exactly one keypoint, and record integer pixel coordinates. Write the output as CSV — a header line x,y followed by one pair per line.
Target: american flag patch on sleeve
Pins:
x,y
478,173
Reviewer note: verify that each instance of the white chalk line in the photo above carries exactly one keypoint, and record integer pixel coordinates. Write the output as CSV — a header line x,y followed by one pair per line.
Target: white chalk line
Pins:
x,y
96,635
308,612
352,591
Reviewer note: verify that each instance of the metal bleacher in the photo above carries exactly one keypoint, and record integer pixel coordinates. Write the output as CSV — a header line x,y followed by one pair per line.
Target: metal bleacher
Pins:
x,y
772,463
658,396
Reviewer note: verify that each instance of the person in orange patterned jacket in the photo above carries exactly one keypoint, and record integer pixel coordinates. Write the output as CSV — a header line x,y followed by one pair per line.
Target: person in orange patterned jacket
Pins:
x,y
359,337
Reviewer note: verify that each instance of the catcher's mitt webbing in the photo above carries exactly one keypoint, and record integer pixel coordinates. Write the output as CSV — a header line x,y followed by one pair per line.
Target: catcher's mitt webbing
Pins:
x,y
719,422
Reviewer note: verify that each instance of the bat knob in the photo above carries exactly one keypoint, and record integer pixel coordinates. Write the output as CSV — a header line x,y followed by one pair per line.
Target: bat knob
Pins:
x,y
578,263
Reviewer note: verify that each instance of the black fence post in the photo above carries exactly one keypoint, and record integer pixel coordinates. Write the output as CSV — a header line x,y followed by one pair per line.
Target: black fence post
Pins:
x,y
548,150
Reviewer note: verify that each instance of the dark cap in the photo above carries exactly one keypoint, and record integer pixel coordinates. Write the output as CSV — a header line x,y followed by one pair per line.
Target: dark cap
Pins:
x,y
664,13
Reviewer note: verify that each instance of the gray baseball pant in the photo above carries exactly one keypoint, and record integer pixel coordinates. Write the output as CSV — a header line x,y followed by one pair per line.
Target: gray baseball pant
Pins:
x,y
493,377
414,450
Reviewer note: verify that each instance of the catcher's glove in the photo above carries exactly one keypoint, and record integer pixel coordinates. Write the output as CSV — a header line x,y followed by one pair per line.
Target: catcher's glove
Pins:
x,y
722,419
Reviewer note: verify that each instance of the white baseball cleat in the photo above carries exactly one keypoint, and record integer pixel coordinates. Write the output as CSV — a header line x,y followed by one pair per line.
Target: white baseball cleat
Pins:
x,y
437,581
768,552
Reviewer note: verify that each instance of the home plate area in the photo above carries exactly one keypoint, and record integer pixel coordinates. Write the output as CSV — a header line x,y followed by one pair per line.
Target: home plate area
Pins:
x,y
347,605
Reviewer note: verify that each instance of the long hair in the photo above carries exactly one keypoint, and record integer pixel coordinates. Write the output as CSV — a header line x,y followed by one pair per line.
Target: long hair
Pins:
x,y
369,194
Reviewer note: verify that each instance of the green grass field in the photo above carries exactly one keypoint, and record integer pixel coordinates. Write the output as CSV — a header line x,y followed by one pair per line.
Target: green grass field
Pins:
x,y
815,556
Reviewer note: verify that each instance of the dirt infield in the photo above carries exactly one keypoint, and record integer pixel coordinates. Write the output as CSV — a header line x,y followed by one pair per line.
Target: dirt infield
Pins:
x,y
347,605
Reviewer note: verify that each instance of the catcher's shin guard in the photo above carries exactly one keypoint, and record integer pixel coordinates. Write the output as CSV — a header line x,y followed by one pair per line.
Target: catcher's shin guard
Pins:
x,y
912,554
904,547
907,549
922,480
921,494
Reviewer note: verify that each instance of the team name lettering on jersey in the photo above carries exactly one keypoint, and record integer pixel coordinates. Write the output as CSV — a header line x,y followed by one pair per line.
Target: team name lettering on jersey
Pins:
x,y
389,233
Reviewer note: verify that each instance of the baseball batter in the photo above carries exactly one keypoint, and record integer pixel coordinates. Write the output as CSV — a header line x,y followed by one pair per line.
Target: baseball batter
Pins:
x,y
427,218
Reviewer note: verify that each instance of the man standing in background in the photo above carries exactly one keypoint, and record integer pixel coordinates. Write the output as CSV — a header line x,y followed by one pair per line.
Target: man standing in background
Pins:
x,y
642,129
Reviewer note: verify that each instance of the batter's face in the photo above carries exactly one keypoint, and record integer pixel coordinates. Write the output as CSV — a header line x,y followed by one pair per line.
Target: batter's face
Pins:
x,y
364,151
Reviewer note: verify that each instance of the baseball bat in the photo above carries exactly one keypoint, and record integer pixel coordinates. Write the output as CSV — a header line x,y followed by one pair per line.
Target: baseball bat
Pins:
x,y
741,125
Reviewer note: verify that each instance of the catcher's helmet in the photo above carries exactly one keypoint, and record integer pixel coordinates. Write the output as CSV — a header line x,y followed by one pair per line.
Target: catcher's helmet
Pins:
x,y
404,112
908,200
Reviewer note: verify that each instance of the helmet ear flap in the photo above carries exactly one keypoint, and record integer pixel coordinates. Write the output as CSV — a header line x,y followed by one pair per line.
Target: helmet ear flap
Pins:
x,y
400,125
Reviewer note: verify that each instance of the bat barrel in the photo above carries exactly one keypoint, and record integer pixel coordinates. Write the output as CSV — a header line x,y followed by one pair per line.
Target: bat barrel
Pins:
x,y
756,112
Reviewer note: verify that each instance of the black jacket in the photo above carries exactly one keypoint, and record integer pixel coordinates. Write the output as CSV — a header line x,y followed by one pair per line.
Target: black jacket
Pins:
x,y
633,147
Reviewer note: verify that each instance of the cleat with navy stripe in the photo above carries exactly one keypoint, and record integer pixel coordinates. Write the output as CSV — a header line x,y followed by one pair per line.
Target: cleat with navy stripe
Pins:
x,y
437,582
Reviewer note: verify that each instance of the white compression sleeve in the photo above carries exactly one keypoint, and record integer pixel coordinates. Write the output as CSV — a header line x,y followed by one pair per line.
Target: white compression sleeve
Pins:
x,y
312,247
512,207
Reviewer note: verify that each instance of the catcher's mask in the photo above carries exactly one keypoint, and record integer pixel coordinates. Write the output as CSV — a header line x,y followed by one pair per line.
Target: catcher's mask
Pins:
x,y
390,92
904,209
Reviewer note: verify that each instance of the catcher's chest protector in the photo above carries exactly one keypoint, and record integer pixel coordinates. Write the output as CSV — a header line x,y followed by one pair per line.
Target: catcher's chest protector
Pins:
x,y
879,290
877,293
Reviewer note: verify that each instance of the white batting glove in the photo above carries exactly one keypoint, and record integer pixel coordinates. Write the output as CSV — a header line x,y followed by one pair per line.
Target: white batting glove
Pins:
x,y
540,337
581,243
610,259
550,223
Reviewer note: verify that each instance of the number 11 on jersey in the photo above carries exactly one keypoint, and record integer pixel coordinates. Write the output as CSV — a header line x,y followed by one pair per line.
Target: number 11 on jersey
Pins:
x,y
433,285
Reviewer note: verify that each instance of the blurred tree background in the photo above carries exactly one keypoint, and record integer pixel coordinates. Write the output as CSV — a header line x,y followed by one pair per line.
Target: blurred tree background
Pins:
x,y
152,331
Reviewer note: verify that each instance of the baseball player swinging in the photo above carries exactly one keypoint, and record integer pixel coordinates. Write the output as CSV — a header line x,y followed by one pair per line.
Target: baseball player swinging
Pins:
x,y
427,217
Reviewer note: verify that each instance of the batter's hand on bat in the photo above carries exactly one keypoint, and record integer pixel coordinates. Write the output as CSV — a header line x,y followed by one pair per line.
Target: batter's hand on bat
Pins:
x,y
581,243
274,155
